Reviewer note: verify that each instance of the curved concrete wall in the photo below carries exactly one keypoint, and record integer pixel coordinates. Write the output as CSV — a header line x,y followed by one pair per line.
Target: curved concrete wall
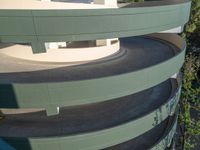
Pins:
x,y
63,54
32,84
91,91
59,143
40,26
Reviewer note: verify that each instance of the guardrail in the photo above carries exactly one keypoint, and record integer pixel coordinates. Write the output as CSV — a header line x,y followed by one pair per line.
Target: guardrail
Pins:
x,y
40,26
53,94
166,140
99,139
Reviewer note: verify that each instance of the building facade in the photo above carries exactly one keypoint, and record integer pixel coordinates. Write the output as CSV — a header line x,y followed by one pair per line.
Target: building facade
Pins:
x,y
89,76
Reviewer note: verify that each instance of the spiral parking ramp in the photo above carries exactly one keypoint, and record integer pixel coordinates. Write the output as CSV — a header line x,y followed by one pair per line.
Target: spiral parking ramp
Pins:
x,y
89,76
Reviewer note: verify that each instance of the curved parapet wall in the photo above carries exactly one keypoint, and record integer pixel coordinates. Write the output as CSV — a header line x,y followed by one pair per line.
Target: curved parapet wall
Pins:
x,y
169,125
95,89
69,55
145,141
123,95
168,97
167,138
43,25
99,139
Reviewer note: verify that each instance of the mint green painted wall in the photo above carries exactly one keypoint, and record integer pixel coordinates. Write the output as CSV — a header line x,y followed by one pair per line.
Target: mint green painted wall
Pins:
x,y
58,94
39,26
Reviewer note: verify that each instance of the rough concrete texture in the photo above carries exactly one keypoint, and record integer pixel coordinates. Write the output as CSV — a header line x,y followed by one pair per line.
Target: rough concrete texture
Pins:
x,y
87,118
146,140
134,55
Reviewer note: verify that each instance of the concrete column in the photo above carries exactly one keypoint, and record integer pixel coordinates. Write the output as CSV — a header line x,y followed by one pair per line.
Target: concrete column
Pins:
x,y
106,42
54,45
106,2
101,42
112,3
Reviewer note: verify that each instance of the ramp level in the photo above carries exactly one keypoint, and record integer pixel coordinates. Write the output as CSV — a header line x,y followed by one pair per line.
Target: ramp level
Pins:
x,y
90,75
44,25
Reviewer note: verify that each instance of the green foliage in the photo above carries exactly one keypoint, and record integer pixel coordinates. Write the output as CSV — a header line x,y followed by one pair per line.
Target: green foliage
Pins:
x,y
190,98
192,29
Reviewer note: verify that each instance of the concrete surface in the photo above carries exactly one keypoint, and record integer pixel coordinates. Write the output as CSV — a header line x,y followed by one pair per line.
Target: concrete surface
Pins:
x,y
146,140
134,55
87,118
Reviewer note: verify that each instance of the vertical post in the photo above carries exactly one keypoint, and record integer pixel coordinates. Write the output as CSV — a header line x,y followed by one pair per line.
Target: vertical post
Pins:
x,y
45,0
52,110
38,47
112,3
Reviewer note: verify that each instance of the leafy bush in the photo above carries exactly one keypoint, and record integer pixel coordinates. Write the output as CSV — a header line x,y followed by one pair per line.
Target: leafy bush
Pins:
x,y
189,118
190,101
